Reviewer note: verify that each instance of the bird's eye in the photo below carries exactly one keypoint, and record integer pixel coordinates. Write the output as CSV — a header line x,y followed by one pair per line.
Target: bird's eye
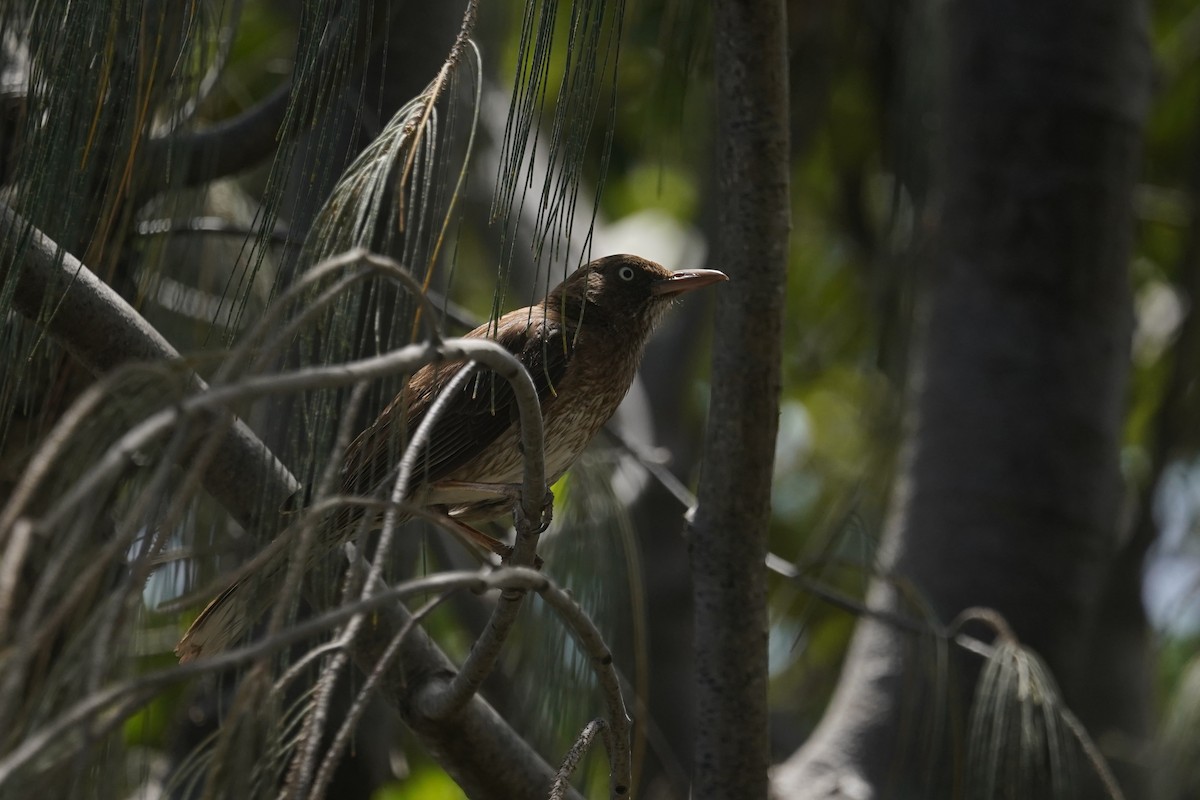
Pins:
x,y
625,273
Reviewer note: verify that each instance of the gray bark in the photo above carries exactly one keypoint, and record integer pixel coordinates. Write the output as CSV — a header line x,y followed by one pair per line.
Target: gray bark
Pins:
x,y
728,545
1009,489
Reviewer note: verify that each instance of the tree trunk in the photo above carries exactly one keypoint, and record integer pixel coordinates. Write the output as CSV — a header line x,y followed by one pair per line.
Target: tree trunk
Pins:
x,y
1009,489
729,537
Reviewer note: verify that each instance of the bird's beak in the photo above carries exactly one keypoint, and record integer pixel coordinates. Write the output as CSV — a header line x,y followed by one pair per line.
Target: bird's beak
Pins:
x,y
685,280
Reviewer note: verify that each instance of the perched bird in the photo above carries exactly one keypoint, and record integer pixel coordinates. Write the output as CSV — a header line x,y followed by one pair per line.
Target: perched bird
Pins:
x,y
582,346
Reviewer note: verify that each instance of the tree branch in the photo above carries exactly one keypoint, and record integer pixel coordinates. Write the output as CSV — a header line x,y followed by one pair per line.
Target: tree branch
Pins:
x,y
194,158
95,325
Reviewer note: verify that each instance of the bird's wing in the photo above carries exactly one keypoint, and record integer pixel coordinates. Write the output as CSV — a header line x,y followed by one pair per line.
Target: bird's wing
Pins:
x,y
479,411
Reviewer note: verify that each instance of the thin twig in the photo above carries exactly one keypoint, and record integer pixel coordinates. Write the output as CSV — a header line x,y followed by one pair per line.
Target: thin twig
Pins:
x,y
342,737
20,537
302,544
480,661
102,331
592,641
435,704
300,774
100,701
405,359
578,750
1094,756
272,323
391,517
205,225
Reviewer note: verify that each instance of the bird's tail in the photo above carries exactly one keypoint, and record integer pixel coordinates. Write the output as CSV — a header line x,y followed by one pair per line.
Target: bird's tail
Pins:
x,y
220,624
229,616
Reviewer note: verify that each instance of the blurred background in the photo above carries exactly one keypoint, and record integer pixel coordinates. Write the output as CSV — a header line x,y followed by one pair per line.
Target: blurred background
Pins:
x,y
186,153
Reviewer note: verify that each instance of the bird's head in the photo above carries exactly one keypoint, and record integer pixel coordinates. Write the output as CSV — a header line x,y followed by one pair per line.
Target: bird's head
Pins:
x,y
627,288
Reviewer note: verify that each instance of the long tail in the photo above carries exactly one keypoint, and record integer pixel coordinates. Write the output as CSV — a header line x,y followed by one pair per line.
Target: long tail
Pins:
x,y
222,622
229,616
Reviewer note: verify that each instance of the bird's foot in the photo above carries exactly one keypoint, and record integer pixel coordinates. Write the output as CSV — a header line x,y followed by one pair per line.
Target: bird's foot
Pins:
x,y
547,512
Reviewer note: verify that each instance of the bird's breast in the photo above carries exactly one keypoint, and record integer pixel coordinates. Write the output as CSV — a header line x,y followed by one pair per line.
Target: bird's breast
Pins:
x,y
572,414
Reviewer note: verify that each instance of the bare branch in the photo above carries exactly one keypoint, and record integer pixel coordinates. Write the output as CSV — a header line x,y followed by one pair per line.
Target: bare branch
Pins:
x,y
19,540
102,331
227,147
501,762
618,720
405,359
101,701
300,774
342,737
576,754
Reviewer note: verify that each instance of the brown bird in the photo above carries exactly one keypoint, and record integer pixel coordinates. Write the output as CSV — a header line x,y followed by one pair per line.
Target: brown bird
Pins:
x,y
581,345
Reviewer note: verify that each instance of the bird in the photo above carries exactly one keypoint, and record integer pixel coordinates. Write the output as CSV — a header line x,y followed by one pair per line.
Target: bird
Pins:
x,y
582,346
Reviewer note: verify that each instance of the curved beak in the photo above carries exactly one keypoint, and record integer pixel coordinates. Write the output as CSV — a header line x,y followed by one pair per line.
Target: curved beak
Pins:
x,y
685,280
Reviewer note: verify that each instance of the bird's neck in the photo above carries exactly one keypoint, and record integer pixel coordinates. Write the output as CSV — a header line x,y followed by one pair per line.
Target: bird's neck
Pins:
x,y
571,309
619,334
576,310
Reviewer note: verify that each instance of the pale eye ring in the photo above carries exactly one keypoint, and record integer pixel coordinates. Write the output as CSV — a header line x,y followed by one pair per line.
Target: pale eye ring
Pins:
x,y
625,273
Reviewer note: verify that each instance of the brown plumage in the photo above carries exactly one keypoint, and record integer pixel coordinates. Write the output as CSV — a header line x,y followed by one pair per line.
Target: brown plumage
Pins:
x,y
582,346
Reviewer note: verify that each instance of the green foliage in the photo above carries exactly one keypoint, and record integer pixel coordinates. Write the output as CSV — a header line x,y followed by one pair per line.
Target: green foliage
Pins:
x,y
428,784
668,188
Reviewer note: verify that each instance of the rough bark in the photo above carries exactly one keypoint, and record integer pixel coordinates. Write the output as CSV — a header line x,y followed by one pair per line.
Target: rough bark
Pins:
x,y
729,535
1009,490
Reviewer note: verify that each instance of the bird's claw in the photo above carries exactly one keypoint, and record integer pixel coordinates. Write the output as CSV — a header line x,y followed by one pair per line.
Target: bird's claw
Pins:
x,y
547,513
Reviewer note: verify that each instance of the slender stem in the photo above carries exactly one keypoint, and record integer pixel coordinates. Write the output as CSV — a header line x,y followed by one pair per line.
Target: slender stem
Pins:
x,y
578,750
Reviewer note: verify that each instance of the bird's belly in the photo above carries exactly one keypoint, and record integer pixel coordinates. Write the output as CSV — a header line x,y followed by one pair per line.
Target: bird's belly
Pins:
x,y
567,430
